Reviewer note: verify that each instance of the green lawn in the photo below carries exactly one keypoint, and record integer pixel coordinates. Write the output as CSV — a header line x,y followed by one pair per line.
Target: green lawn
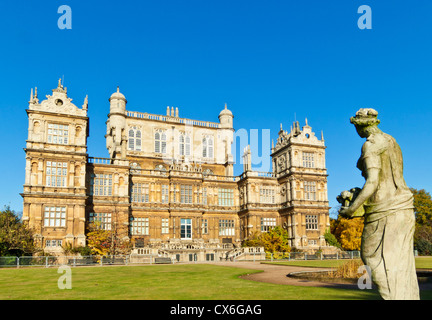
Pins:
x,y
159,282
163,282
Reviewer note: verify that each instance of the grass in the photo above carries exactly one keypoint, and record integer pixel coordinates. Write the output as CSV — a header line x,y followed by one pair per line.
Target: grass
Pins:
x,y
423,262
172,282
161,282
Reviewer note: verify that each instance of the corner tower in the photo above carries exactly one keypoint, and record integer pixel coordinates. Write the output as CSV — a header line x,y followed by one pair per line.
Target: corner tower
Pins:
x,y
299,166
56,154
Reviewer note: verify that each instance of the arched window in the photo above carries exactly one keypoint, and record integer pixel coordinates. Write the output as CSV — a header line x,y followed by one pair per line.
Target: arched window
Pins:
x,y
207,144
160,141
134,139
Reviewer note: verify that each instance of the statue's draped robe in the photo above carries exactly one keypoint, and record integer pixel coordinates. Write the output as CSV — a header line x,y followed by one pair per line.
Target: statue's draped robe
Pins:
x,y
387,240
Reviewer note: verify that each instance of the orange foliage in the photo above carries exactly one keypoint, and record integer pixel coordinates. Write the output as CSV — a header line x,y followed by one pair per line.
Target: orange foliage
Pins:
x,y
348,232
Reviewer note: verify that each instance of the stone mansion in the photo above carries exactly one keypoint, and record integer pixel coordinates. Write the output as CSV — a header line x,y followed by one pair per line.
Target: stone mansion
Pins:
x,y
168,182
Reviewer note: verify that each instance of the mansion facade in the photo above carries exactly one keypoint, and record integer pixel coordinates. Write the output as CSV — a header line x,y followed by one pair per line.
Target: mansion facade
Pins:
x,y
168,183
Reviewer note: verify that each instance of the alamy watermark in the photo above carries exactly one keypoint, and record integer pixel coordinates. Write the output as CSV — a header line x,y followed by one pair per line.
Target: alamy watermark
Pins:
x,y
365,20
365,280
65,280
65,20
219,146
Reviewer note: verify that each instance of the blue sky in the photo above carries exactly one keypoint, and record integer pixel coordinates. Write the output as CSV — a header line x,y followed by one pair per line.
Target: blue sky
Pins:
x,y
270,61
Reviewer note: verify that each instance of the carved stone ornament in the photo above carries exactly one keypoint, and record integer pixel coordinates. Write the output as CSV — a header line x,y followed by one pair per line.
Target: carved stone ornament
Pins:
x,y
283,191
281,163
58,102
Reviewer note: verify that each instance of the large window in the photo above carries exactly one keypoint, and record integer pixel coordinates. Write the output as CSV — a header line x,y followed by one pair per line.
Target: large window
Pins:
x,y
134,139
160,141
165,225
308,160
55,217
56,173
165,193
185,144
140,192
226,227
204,226
139,226
204,195
207,144
225,197
101,184
174,194
309,190
267,224
186,229
311,222
267,195
185,194
100,220
58,133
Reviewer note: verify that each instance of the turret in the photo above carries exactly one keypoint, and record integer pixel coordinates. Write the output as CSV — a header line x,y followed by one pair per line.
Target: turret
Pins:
x,y
226,135
226,118
116,125
117,102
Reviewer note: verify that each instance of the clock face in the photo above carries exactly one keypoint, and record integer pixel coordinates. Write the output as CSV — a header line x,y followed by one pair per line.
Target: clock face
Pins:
x,y
59,102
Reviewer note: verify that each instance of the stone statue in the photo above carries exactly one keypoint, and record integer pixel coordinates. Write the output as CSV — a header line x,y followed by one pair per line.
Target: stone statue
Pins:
x,y
386,203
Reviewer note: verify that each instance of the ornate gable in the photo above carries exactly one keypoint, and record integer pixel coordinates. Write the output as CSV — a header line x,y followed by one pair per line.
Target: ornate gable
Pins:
x,y
58,102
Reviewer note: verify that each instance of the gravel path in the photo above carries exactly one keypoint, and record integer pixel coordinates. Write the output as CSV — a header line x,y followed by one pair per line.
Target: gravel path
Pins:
x,y
278,274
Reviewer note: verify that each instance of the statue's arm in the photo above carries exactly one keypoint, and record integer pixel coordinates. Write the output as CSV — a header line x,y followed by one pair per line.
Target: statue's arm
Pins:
x,y
367,191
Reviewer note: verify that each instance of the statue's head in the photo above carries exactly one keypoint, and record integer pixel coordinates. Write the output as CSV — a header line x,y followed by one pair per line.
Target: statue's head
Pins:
x,y
365,121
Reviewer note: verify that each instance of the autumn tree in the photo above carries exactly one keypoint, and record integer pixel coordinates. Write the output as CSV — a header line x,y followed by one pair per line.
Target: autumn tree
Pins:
x,y
108,242
274,241
99,241
15,237
422,206
348,232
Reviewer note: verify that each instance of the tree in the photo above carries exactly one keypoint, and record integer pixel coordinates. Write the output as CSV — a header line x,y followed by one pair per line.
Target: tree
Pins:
x,y
422,206
423,239
108,242
15,238
331,239
347,232
99,241
423,214
274,241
